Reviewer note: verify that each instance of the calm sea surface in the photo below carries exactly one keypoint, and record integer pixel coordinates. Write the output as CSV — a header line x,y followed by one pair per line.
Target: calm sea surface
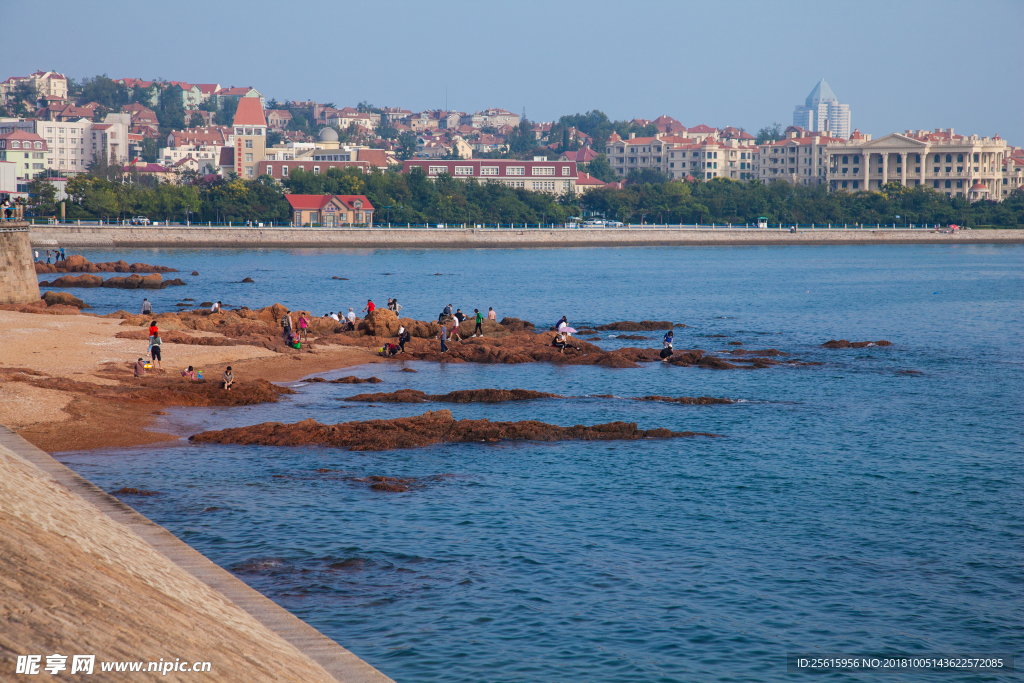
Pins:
x,y
849,507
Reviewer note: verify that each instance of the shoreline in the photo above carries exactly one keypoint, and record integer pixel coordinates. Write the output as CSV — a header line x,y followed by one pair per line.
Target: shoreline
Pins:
x,y
201,236
143,578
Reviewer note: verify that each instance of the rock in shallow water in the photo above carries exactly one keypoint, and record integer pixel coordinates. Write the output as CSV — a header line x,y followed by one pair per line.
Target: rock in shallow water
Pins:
x,y
423,430
844,344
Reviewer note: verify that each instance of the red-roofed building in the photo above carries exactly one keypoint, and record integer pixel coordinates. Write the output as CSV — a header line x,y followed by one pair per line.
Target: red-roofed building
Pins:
x,y
801,158
250,126
44,83
586,182
330,211
705,157
27,151
580,156
278,119
237,94
144,121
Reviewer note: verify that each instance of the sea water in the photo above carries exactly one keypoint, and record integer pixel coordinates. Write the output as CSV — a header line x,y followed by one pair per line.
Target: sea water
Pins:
x,y
847,507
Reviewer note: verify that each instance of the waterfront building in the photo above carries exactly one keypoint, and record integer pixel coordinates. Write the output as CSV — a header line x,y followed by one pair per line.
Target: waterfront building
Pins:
x,y
705,156
822,111
956,165
250,133
800,158
28,152
539,175
329,210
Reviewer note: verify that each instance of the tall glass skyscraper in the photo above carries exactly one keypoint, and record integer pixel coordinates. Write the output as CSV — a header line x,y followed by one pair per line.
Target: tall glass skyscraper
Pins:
x,y
822,112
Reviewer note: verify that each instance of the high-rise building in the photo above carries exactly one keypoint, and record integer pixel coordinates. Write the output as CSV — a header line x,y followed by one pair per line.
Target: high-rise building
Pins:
x,y
822,112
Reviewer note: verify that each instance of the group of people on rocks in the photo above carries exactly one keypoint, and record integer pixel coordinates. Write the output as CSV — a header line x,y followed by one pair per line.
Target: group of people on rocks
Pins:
x,y
57,254
156,356
294,335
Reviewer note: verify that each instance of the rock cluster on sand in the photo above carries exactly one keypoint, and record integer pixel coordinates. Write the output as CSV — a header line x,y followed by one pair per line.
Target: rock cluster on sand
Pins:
x,y
79,264
423,430
463,396
134,281
64,299
844,344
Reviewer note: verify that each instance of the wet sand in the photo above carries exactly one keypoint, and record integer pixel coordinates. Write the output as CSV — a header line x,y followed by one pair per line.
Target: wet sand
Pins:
x,y
85,349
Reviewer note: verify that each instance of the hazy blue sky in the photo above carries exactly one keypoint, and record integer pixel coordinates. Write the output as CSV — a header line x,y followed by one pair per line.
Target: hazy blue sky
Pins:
x,y
899,64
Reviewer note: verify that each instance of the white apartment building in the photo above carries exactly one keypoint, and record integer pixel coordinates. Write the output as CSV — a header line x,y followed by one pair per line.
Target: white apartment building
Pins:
x,y
800,159
490,117
45,83
74,144
957,165
822,111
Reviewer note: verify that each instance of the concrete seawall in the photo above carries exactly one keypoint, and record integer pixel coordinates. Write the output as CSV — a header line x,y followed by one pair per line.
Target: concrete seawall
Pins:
x,y
83,573
400,238
18,282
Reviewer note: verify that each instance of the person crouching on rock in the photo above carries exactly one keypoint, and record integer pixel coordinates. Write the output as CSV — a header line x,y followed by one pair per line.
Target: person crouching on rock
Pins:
x,y
559,342
140,367
229,378
666,351
189,374
443,336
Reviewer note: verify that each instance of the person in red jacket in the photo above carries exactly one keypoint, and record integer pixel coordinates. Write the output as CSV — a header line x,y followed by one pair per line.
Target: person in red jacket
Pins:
x,y
369,308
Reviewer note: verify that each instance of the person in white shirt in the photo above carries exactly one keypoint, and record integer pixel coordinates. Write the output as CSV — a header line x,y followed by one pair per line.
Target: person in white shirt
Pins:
x,y
351,316
215,307
335,316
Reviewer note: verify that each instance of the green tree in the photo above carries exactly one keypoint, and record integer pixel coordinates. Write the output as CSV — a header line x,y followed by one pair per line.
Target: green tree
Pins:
x,y
104,92
44,196
407,145
600,169
770,133
225,115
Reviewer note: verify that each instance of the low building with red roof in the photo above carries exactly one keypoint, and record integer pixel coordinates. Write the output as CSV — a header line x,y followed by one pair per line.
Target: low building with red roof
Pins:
x,y
330,211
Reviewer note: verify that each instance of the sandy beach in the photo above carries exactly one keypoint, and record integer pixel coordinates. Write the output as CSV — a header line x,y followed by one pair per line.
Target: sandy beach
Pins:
x,y
85,349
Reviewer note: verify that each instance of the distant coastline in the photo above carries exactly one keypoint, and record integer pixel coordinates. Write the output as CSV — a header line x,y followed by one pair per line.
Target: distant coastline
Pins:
x,y
505,238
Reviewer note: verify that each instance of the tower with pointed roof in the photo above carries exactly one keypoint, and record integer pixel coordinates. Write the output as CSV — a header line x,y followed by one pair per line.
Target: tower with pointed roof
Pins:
x,y
250,130
822,111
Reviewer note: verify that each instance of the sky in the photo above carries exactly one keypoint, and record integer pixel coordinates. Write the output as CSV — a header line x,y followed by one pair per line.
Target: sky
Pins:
x,y
899,64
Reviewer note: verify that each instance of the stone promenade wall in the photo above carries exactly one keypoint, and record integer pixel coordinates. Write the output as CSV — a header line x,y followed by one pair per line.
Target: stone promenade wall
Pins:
x,y
18,282
400,238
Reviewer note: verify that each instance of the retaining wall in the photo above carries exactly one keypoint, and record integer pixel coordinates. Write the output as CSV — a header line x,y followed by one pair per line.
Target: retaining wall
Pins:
x,y
18,281
384,238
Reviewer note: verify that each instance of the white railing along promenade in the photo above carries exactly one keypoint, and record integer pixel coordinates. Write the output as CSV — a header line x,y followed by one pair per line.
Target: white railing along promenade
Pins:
x,y
490,226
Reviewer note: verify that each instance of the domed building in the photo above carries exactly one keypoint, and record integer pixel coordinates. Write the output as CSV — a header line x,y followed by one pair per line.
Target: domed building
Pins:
x,y
328,139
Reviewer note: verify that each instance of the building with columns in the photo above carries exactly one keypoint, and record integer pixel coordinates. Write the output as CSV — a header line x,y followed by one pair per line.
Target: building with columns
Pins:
x,y
957,165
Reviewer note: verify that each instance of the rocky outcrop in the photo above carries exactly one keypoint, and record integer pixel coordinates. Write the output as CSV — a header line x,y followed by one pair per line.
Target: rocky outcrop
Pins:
x,y
844,344
642,326
463,396
247,281
64,299
161,389
631,337
79,264
517,325
351,379
134,281
423,430
687,400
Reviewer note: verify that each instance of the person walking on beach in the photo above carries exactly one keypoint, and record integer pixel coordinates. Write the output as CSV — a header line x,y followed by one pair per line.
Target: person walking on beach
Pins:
x,y
443,336
147,308
303,326
153,330
369,308
228,378
491,315
140,367
154,351
478,331
666,343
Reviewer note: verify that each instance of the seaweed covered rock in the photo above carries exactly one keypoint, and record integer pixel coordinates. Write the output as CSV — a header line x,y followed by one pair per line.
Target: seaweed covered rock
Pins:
x,y
642,326
844,344
423,430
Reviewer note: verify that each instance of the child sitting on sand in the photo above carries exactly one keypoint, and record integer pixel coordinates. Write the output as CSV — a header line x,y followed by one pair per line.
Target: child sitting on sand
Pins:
x,y
229,378
189,374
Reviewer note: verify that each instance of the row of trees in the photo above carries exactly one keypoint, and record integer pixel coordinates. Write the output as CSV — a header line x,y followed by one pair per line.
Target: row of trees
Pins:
x,y
112,193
